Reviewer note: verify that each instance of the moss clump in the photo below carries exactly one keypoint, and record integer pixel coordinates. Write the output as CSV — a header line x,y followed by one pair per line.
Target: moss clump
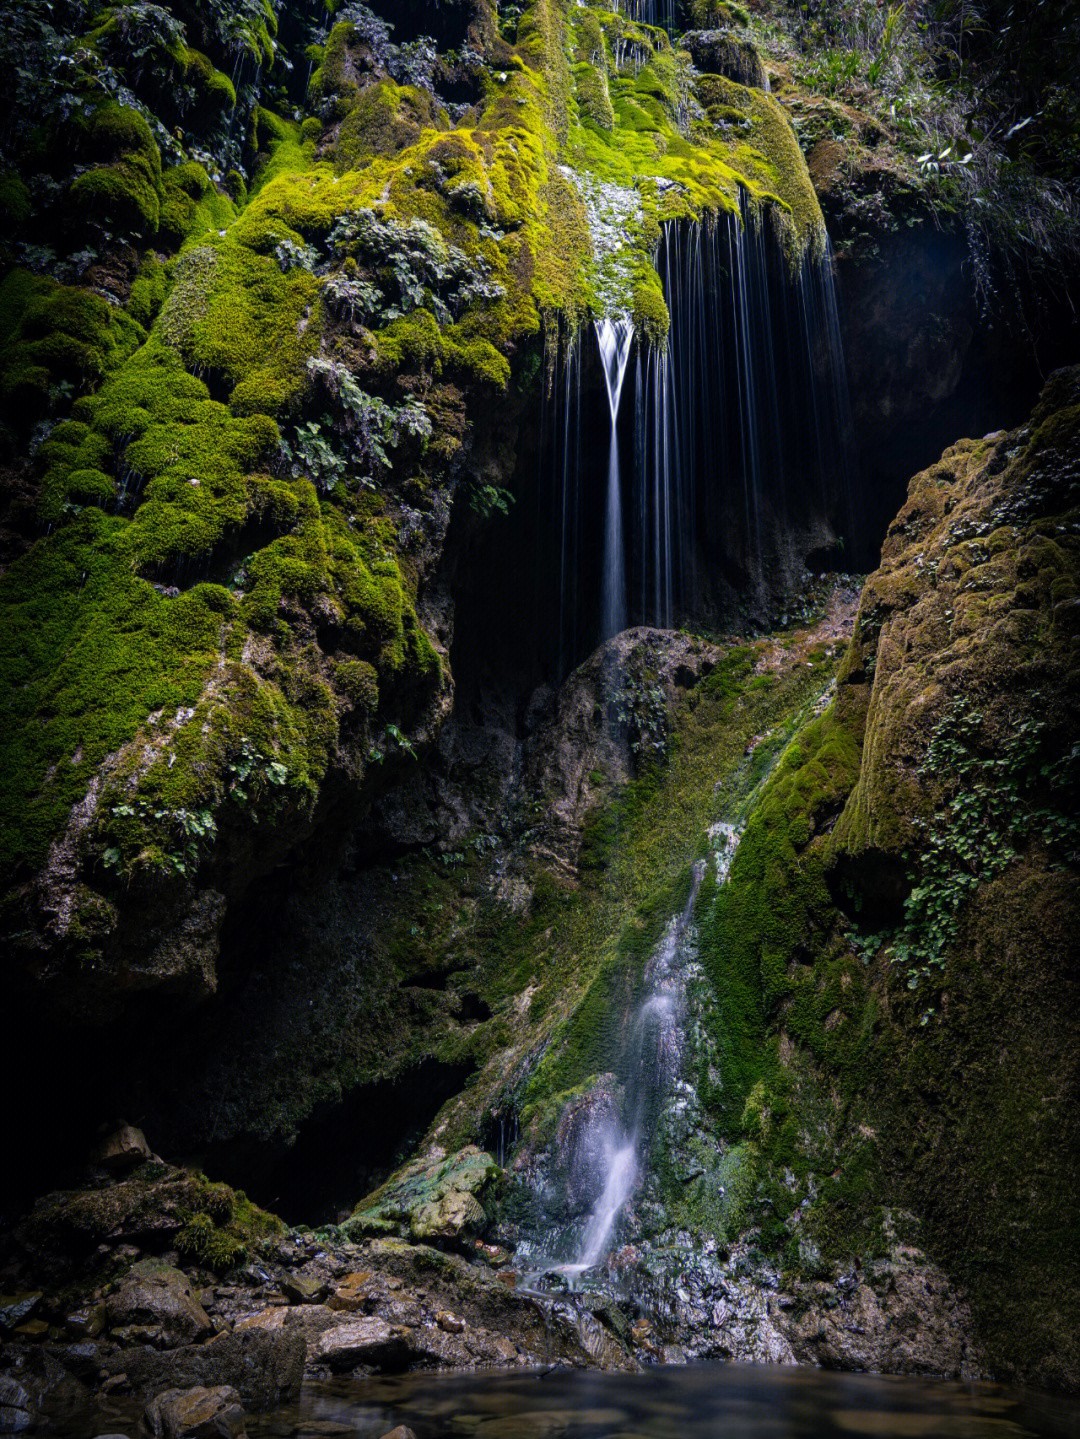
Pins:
x,y
125,190
54,334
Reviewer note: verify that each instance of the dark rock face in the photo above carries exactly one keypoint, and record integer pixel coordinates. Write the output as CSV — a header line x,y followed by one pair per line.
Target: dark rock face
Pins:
x,y
263,1369
723,52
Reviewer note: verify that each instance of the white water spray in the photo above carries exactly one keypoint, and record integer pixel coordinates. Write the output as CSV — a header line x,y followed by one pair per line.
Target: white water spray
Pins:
x,y
654,1060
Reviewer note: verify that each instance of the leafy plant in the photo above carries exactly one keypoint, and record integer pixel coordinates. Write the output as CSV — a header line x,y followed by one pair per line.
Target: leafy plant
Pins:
x,y
991,806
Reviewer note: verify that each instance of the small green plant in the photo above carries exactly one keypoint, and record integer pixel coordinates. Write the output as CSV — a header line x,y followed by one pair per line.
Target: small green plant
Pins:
x,y
252,774
991,807
487,500
173,839
640,706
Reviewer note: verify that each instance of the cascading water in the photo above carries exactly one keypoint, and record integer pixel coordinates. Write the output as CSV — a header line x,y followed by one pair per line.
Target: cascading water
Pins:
x,y
651,1067
615,338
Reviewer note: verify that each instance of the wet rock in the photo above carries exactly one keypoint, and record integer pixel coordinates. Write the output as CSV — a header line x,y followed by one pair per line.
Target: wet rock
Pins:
x,y
18,1413
401,1431
195,1414
265,1368
267,1319
450,1323
355,1292
155,1303
311,1321
87,1321
122,1150
905,1318
720,52
370,1343
437,1197
304,1288
16,1309
83,1360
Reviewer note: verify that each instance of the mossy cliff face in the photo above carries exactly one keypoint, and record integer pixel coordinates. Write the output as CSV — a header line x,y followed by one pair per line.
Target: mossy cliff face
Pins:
x,y
893,999
243,352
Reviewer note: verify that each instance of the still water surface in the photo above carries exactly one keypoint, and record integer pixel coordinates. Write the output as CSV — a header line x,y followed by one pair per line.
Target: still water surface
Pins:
x,y
707,1401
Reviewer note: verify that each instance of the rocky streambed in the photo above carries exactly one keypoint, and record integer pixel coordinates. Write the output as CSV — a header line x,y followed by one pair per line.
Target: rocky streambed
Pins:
x,y
109,1310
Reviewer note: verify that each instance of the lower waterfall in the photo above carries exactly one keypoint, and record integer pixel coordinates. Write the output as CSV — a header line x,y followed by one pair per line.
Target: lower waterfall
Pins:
x,y
650,1068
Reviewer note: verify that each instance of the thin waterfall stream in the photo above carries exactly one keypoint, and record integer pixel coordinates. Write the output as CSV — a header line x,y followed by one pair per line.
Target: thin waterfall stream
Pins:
x,y
615,338
652,1065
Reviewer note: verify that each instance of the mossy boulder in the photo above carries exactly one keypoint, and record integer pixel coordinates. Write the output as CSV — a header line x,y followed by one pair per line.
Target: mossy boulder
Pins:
x,y
438,1198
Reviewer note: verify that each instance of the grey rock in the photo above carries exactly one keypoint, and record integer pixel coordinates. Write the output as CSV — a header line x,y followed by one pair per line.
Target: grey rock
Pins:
x,y
18,1413
265,1368
156,1298
371,1343
17,1309
195,1414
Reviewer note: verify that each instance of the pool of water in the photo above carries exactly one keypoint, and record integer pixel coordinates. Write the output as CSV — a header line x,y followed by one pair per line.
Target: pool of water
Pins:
x,y
707,1401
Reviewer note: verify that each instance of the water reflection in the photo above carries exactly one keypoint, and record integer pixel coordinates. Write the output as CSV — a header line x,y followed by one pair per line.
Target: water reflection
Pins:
x,y
698,1402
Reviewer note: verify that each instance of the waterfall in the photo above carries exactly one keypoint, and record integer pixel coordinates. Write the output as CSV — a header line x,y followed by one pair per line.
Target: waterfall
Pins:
x,y
651,12
615,338
651,1066
733,476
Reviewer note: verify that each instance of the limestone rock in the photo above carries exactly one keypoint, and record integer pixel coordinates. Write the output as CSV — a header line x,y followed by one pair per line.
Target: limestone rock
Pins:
x,y
195,1414
125,1148
367,1342
905,1319
156,1301
435,1197
266,1369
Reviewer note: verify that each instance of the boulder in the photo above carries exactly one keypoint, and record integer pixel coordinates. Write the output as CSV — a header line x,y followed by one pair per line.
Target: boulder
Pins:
x,y
370,1343
122,1150
304,1289
265,1368
18,1413
156,1304
402,1431
437,1196
195,1414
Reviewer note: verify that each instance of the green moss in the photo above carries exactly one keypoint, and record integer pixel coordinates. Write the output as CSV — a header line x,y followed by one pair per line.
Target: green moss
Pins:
x,y
149,291
14,201
56,333
191,205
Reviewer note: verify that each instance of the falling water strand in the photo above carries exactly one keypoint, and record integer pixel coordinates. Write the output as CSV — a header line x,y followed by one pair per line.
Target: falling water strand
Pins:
x,y
615,338
652,1063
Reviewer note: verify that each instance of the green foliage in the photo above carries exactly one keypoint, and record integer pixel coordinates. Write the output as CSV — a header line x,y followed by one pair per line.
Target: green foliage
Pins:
x,y
991,807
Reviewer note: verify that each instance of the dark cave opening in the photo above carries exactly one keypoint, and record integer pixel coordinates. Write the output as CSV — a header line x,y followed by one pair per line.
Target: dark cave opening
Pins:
x,y
345,1149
